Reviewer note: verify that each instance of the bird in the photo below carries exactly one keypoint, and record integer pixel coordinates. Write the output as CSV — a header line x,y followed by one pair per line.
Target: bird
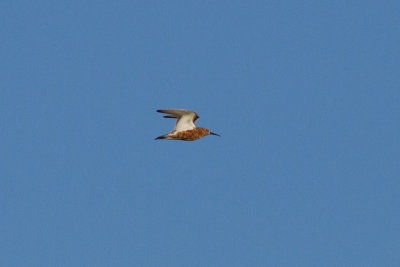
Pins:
x,y
184,127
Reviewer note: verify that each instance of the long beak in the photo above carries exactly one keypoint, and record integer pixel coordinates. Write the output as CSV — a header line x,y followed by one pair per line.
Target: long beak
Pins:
x,y
215,134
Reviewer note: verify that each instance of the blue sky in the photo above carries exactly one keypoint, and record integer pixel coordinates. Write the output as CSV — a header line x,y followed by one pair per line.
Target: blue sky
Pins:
x,y
304,93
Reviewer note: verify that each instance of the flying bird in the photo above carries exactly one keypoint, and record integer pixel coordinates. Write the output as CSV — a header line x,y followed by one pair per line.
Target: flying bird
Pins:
x,y
184,127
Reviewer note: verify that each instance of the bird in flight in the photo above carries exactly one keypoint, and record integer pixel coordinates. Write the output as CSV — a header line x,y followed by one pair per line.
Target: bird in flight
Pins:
x,y
184,127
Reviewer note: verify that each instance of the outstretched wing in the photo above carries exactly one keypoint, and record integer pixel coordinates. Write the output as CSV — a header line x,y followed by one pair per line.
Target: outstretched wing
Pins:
x,y
185,118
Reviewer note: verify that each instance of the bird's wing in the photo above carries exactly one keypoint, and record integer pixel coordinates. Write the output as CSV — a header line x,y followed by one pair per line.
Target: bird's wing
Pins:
x,y
185,118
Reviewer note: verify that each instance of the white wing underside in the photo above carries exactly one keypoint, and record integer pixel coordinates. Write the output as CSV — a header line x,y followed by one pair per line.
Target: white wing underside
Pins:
x,y
185,118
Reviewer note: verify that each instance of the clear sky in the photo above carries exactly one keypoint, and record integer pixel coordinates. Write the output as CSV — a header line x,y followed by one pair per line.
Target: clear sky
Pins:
x,y
306,97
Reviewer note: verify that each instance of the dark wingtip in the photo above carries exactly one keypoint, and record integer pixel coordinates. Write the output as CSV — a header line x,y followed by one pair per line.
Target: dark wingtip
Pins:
x,y
160,137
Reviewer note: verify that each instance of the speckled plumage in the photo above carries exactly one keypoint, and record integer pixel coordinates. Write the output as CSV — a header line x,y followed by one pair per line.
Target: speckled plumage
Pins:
x,y
191,135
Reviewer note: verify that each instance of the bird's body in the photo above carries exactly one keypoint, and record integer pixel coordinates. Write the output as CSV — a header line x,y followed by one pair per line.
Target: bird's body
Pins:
x,y
184,128
188,135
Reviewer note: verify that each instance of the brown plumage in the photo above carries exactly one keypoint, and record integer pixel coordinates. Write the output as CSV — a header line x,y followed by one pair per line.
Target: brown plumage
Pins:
x,y
184,128
191,135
